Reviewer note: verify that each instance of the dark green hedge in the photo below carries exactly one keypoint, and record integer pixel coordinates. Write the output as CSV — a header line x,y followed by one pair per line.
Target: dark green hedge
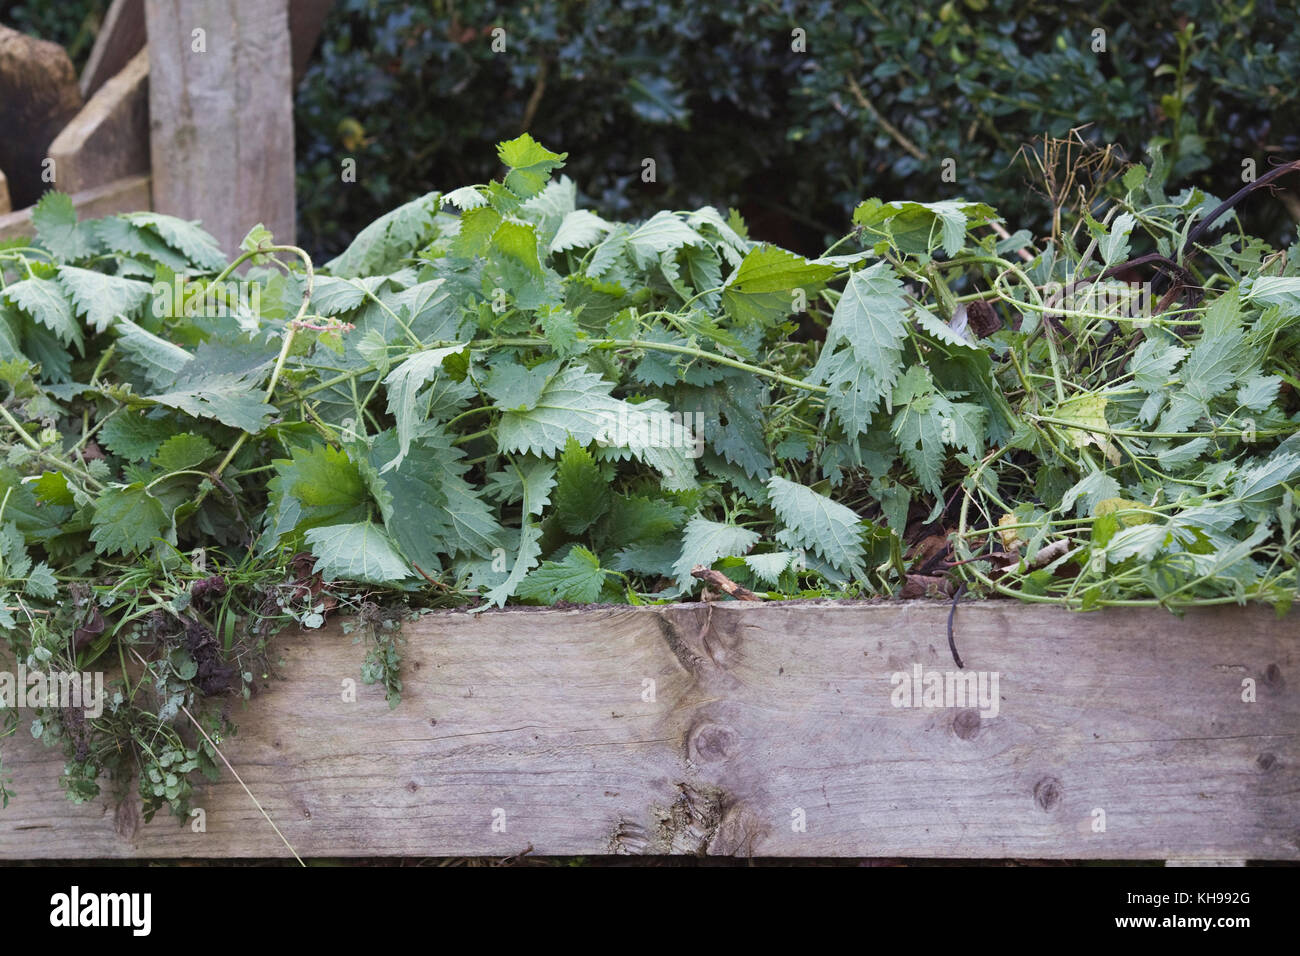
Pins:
x,y
732,115
713,92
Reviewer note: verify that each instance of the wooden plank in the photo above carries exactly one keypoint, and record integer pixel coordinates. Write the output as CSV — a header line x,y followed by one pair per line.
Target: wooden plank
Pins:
x,y
121,36
130,194
221,115
109,138
306,18
760,716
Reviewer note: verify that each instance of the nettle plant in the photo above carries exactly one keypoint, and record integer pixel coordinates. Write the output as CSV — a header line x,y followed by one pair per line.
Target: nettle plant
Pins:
x,y
495,396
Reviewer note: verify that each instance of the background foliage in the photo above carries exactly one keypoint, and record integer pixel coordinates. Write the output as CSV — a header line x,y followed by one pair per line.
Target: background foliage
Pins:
x,y
713,92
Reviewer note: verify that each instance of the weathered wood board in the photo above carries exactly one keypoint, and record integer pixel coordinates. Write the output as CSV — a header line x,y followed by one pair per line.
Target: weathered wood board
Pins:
x,y
221,115
109,138
768,730
121,36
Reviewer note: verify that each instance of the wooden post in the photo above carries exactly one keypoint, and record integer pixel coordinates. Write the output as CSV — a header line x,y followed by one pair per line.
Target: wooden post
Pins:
x,y
4,193
221,114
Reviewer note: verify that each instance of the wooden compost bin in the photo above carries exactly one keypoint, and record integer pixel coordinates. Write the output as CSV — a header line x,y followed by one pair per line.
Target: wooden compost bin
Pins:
x,y
730,729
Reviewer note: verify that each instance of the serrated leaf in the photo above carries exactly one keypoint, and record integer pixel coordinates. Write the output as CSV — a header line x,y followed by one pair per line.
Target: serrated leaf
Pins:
x,y
188,238
45,301
55,221
183,451
403,384
578,578
819,523
768,568
130,435
1154,363
531,164
578,230
762,289
1114,247
41,582
582,492
319,485
574,402
127,520
871,317
705,541
101,298
361,552
232,399
661,232
389,239
162,361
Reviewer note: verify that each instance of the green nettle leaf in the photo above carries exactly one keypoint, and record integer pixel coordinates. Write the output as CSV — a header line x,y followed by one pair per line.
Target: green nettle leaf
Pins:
x,y
531,165
582,492
162,361
1154,363
818,523
389,239
658,234
578,578
704,542
519,241
45,301
919,228
41,582
763,289
574,402
135,437
183,451
768,568
317,486
127,520
579,230
1213,364
1274,290
403,384
1258,391
536,483
55,220
233,399
871,317
1114,248
101,298
188,238
360,551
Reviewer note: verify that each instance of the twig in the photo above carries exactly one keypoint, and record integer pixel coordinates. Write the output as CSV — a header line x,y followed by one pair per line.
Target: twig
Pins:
x,y
952,611
1003,234
535,100
887,126
232,770
723,583
435,583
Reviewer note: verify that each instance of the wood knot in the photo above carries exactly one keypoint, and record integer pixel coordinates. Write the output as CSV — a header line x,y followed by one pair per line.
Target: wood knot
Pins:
x,y
1273,678
1266,761
710,742
1047,793
966,724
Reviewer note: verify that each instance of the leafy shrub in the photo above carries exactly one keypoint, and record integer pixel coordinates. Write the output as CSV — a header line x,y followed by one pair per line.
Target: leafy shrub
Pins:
x,y
714,93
